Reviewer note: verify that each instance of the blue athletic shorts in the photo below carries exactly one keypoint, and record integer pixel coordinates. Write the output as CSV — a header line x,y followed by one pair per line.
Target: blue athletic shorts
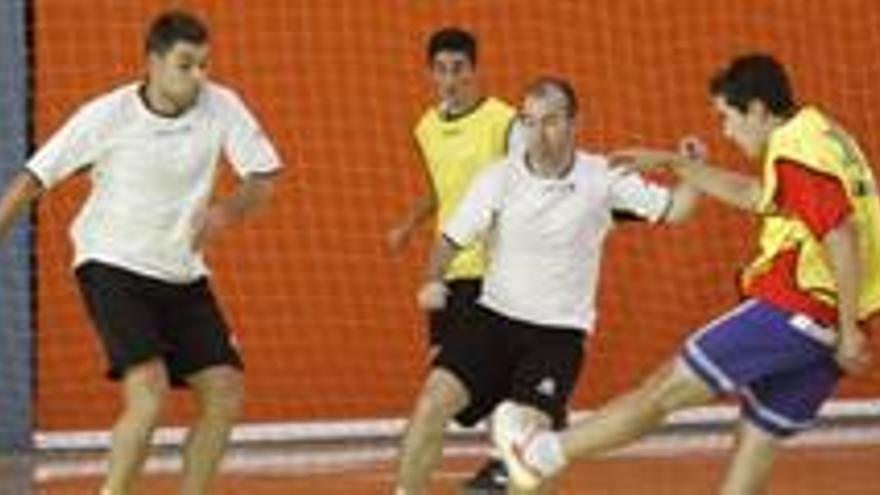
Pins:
x,y
780,363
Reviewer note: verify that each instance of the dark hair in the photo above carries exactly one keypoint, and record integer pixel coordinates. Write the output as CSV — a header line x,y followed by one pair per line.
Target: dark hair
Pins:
x,y
539,87
453,39
754,77
174,26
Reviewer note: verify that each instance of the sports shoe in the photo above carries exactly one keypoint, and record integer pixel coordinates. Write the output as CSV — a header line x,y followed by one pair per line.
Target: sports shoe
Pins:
x,y
491,479
511,434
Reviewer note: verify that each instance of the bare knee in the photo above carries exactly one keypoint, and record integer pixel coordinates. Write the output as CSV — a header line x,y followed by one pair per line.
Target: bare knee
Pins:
x,y
146,388
219,391
442,397
671,388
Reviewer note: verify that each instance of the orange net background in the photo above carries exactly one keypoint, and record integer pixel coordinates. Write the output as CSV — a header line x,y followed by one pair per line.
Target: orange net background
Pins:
x,y
326,318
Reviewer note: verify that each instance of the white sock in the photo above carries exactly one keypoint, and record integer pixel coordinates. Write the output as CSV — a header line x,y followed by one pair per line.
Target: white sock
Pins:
x,y
544,452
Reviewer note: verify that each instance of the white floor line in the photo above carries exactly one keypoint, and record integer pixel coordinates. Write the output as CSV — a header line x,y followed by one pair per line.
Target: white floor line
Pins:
x,y
368,428
293,461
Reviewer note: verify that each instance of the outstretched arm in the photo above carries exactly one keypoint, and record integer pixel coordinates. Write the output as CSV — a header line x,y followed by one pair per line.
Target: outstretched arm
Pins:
x,y
23,189
736,189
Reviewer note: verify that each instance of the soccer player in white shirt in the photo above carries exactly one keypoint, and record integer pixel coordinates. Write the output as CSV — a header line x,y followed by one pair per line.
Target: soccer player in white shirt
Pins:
x,y
151,149
544,215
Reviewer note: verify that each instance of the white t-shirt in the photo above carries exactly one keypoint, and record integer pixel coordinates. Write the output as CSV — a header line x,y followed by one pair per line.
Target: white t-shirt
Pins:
x,y
151,175
545,236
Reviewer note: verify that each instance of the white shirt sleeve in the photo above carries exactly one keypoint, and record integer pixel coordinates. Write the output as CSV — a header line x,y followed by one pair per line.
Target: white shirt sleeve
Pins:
x,y
245,144
632,195
476,211
73,147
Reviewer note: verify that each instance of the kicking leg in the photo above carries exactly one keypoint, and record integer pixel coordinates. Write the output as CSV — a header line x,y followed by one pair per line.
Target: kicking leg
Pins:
x,y
532,457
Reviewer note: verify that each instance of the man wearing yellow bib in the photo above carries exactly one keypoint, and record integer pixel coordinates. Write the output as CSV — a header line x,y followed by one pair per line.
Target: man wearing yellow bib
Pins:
x,y
815,280
458,138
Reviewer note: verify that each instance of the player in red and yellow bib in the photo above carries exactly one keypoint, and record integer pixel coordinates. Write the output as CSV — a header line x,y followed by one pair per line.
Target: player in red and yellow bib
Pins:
x,y
815,179
815,280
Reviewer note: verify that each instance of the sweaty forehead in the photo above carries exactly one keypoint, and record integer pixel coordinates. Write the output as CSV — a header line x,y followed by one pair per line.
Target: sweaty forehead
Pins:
x,y
547,102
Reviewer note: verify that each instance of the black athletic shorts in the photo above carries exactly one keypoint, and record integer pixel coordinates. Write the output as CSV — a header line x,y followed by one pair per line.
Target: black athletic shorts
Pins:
x,y
463,294
139,318
499,358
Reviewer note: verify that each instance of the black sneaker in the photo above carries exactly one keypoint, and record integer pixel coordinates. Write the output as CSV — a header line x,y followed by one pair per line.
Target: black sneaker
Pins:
x,y
491,479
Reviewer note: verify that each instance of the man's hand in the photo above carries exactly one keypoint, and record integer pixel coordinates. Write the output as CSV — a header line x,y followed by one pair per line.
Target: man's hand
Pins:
x,y
692,148
432,295
853,352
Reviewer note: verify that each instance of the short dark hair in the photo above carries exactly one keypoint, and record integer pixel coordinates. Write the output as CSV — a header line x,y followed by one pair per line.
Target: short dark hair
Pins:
x,y
453,39
174,26
754,77
540,86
